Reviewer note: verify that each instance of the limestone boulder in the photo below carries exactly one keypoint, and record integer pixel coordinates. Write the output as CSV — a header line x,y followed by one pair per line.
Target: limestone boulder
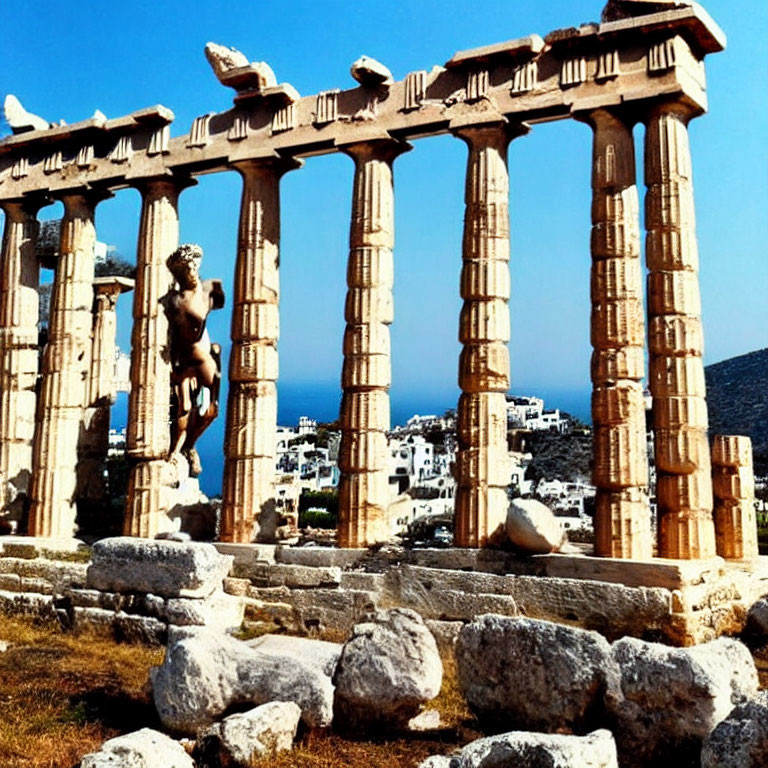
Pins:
x,y
388,669
239,738
741,740
141,749
520,673
534,750
204,673
668,700
166,568
533,528
320,654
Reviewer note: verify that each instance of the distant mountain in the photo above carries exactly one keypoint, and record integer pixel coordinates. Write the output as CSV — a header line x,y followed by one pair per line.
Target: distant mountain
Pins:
x,y
737,394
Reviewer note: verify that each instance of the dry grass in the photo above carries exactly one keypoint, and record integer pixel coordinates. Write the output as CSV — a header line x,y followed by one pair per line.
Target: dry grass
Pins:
x,y
62,695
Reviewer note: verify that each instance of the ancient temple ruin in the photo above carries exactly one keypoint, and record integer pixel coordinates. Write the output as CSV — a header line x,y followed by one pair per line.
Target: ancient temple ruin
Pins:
x,y
642,64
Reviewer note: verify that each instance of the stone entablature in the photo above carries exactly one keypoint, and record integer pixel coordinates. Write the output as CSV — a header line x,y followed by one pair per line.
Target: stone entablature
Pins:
x,y
527,80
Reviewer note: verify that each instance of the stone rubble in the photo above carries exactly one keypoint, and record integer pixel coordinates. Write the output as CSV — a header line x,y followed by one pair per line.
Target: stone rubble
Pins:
x,y
141,749
741,740
205,672
239,738
521,749
669,699
388,669
534,675
533,528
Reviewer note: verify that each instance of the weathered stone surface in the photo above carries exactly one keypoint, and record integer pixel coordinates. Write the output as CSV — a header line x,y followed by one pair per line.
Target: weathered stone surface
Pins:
x,y
667,700
446,633
532,527
534,675
294,576
319,654
30,547
238,739
217,611
330,608
167,568
757,620
204,673
535,750
369,72
741,740
141,749
326,557
388,668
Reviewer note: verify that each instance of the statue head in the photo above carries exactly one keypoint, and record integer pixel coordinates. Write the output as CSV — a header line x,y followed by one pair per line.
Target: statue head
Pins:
x,y
184,262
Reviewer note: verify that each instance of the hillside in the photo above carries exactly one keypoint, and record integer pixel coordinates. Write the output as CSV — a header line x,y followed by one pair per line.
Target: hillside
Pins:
x,y
737,393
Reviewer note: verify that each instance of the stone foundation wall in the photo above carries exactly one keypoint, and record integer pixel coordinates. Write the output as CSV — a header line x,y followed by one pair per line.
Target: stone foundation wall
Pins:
x,y
303,590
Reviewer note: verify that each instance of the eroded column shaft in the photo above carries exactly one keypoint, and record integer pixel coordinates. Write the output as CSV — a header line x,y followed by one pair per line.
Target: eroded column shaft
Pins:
x,y
66,364
620,470
684,484
365,379
248,509
94,439
733,485
149,432
482,464
19,306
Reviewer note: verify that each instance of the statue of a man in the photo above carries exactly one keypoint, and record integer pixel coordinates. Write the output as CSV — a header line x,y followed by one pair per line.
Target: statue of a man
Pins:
x,y
195,361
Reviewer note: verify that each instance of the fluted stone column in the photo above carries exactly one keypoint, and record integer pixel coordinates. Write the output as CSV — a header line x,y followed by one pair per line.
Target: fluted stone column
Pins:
x,y
248,509
94,439
66,363
19,303
684,485
482,463
149,431
733,484
365,379
620,471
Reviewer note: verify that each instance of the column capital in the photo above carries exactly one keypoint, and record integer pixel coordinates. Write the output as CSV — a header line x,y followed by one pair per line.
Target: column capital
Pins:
x,y
384,148
273,164
82,201
608,116
679,107
112,286
23,208
492,133
164,184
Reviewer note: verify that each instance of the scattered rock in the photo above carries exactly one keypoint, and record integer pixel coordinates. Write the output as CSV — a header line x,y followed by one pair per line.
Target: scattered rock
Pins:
x,y
320,654
370,73
3,646
741,740
428,720
534,675
218,611
533,528
166,568
141,749
205,672
757,621
521,749
667,700
236,740
388,668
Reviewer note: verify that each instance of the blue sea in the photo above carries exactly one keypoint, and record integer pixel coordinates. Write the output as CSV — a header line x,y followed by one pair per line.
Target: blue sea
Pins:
x,y
321,401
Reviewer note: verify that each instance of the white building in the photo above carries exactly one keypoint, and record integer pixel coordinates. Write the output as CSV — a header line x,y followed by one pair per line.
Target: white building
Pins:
x,y
529,413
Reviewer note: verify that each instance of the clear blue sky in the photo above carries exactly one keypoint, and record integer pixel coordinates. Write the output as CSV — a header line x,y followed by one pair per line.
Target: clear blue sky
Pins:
x,y
64,60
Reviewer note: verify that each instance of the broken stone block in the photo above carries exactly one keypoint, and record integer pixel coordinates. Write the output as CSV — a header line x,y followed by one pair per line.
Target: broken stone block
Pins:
x,y
741,740
388,668
166,568
141,749
534,675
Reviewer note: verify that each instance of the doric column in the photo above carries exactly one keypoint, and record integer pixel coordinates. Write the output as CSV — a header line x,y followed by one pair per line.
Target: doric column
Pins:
x,y
620,471
365,378
149,431
94,438
482,463
733,483
684,484
66,363
19,275
248,509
